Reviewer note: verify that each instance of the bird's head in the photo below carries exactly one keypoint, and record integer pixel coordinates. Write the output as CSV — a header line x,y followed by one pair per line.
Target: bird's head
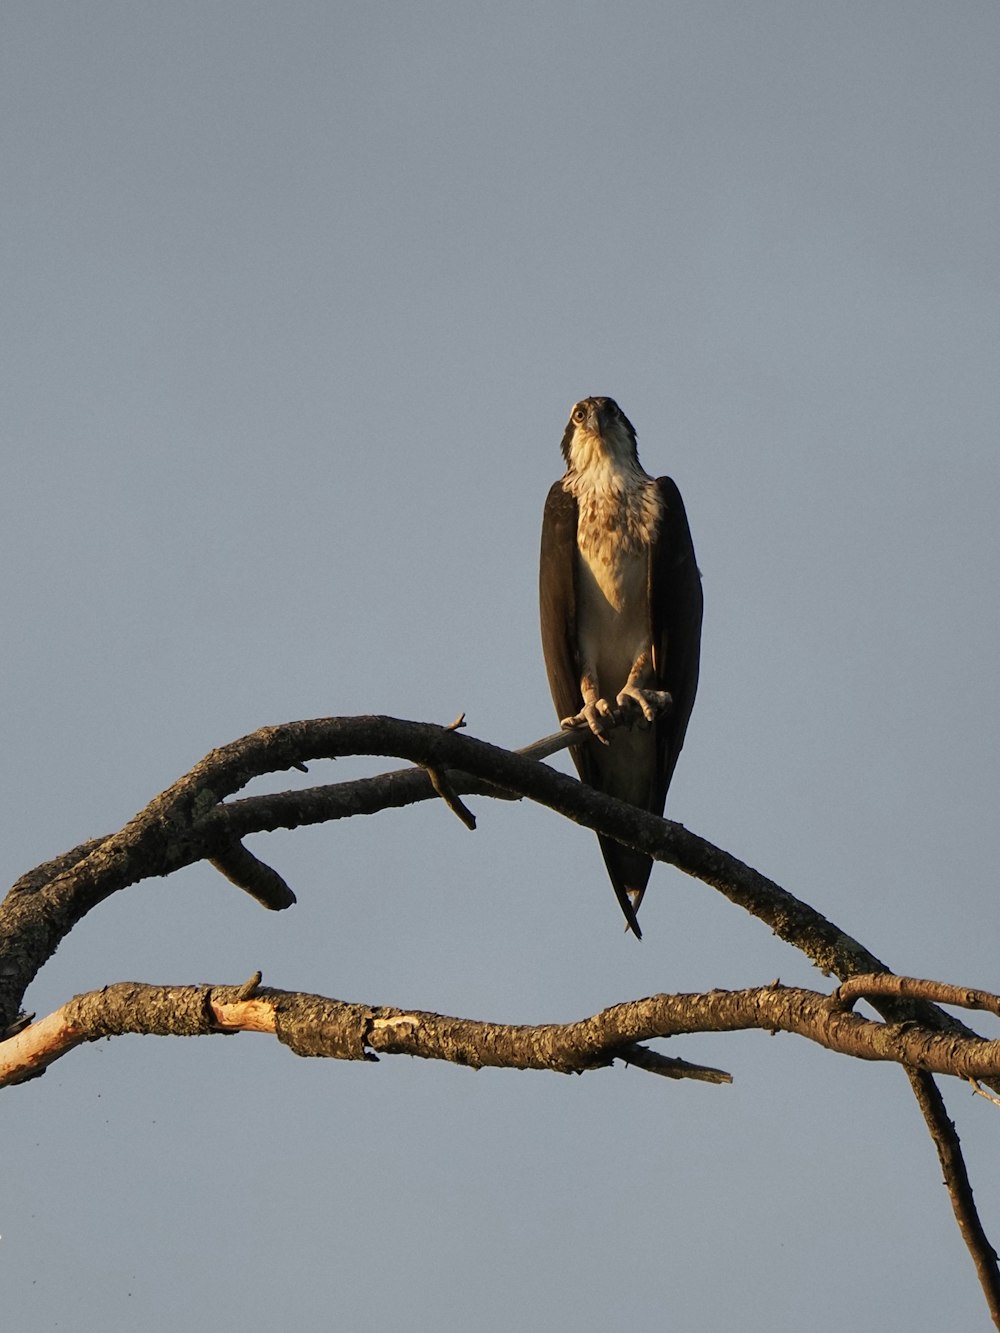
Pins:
x,y
598,431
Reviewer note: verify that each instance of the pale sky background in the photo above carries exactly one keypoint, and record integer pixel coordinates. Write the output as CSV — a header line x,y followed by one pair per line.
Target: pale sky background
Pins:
x,y
296,300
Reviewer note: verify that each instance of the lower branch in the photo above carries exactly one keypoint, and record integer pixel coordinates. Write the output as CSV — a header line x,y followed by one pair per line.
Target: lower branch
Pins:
x,y
314,1025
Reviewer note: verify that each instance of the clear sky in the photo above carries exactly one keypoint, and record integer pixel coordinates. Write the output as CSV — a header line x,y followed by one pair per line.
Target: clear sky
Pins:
x,y
296,300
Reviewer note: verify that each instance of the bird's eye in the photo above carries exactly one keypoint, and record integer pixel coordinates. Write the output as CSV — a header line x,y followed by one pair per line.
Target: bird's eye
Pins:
x,y
579,415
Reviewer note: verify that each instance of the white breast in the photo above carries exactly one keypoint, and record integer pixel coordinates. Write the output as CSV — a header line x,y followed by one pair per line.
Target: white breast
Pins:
x,y
616,526
612,616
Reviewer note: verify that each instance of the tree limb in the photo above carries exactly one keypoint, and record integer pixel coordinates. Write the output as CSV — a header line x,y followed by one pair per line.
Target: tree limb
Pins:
x,y
190,821
868,987
316,1025
253,876
959,1187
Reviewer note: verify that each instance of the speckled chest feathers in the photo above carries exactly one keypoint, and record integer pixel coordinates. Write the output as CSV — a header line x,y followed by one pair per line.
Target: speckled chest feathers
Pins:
x,y
619,514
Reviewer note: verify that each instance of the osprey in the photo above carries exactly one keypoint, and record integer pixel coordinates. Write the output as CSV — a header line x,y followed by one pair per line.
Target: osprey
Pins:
x,y
621,610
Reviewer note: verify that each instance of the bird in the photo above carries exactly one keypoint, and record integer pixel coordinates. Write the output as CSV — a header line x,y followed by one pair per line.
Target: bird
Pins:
x,y
621,610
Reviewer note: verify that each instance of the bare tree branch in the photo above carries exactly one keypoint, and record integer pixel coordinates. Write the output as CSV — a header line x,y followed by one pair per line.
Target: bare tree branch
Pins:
x,y
443,786
189,821
959,1187
882,984
342,1030
251,875
195,819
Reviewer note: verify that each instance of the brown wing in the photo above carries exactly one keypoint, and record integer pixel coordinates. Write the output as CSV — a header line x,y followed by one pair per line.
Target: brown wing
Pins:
x,y
675,604
557,604
557,589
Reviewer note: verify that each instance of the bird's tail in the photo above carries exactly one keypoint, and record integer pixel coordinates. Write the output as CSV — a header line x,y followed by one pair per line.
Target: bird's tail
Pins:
x,y
630,900
629,873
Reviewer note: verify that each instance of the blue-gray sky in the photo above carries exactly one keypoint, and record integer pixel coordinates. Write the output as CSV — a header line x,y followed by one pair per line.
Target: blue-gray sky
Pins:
x,y
296,299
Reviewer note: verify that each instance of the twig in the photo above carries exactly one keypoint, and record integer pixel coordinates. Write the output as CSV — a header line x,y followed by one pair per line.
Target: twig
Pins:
x,y
249,988
956,1180
641,1057
980,1091
442,785
253,876
868,986
559,740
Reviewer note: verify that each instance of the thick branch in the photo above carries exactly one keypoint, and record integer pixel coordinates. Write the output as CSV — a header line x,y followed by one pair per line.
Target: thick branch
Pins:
x,y
317,1026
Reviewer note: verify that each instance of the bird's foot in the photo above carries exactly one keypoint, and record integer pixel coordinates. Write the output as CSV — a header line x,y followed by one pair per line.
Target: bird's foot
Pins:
x,y
598,716
650,703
